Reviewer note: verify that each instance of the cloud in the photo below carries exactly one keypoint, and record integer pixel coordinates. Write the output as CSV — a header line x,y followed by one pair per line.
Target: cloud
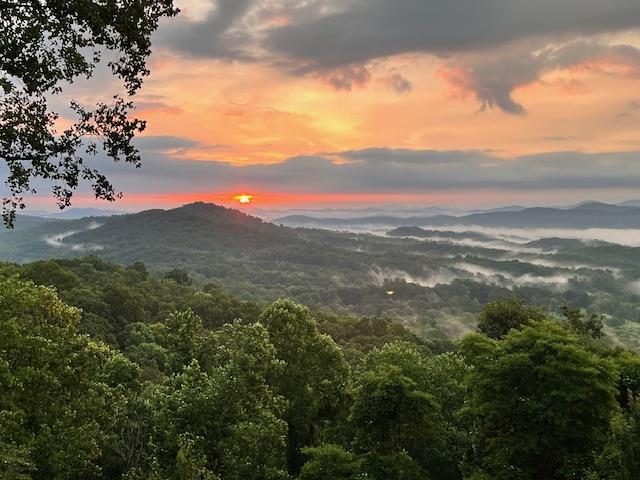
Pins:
x,y
58,240
366,30
489,48
380,170
215,36
630,109
346,78
492,78
163,143
145,107
397,83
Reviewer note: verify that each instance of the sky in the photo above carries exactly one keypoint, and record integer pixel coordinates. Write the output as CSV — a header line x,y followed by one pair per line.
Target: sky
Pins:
x,y
355,103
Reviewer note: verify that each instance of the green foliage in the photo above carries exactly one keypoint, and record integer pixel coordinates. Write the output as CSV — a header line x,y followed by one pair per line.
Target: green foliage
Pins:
x,y
314,376
271,397
113,298
179,275
620,457
497,318
59,388
583,324
390,413
431,438
330,462
538,403
47,45
349,273
395,466
191,464
227,405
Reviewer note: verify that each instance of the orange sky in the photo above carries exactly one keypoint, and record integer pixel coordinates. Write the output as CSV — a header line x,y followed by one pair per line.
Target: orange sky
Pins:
x,y
256,112
261,115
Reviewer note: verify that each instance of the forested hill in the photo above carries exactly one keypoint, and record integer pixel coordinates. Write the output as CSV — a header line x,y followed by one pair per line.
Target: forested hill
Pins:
x,y
588,215
152,235
439,282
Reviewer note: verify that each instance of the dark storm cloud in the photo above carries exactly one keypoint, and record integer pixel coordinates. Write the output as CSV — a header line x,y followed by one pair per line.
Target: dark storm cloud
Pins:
x,y
382,170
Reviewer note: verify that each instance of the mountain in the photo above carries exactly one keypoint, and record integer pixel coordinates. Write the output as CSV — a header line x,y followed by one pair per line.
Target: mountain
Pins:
x,y
348,213
74,213
152,235
507,208
587,215
419,232
440,280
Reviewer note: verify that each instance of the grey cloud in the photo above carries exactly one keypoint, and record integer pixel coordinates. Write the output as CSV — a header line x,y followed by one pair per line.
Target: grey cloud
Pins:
x,y
339,40
158,106
386,170
212,37
371,170
346,78
631,108
397,83
372,29
493,78
161,143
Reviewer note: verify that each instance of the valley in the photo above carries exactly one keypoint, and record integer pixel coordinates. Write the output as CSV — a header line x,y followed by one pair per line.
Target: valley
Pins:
x,y
440,276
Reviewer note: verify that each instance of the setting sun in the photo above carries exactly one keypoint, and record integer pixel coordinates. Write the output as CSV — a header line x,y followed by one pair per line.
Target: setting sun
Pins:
x,y
244,198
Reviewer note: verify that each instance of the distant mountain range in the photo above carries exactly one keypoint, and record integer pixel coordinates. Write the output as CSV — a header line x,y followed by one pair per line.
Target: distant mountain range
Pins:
x,y
74,213
587,215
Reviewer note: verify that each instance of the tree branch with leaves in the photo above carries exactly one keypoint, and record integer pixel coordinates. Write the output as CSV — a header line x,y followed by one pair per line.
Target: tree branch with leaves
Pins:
x,y
46,45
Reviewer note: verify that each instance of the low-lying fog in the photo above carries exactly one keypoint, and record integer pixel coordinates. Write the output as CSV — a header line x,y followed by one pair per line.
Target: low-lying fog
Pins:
x,y
538,265
630,237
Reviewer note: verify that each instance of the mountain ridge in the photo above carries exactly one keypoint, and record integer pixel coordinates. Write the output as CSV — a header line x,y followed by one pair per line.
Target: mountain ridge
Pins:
x,y
588,215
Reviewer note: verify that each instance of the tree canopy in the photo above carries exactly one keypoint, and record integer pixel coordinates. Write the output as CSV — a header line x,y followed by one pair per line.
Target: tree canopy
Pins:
x,y
120,374
46,45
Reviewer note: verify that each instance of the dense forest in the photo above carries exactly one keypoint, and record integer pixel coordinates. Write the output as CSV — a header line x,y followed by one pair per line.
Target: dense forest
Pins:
x,y
440,280
110,372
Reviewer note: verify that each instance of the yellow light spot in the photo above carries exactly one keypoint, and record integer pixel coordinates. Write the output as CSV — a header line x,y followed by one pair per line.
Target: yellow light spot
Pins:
x,y
244,198
391,292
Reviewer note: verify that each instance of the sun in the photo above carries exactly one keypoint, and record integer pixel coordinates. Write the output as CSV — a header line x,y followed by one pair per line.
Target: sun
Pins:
x,y
243,198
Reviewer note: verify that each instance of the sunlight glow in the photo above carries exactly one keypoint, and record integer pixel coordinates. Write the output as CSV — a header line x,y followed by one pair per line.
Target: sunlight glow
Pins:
x,y
244,199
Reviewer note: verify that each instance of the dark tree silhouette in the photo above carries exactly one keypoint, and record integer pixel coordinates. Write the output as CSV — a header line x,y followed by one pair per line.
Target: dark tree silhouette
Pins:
x,y
44,46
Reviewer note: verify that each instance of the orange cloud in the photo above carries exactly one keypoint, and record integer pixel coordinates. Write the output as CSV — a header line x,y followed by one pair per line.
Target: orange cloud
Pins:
x,y
258,114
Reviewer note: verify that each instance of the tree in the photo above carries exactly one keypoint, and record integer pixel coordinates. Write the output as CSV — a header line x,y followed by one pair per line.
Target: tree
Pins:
x,y
497,318
330,462
50,43
191,464
313,378
582,323
59,388
620,457
439,441
178,275
538,404
224,404
390,412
